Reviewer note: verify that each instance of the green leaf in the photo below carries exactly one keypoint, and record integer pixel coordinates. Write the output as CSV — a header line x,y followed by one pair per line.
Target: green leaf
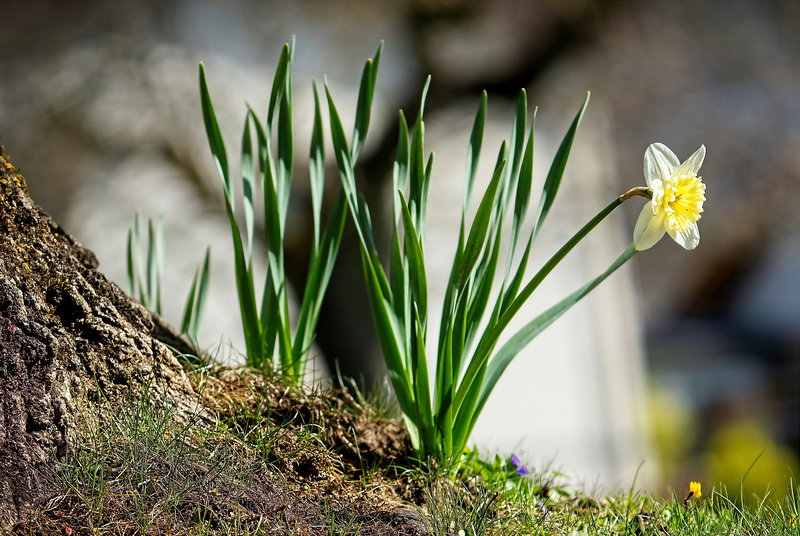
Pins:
x,y
451,290
247,303
316,164
553,180
202,295
474,150
155,263
523,197
417,163
515,149
458,325
188,310
520,210
423,205
417,172
388,336
525,181
398,280
342,154
131,270
264,149
492,334
416,266
248,183
463,420
480,225
401,160
215,137
444,395
483,283
422,384
518,133
279,83
364,104
525,335
285,153
270,310
365,224
319,274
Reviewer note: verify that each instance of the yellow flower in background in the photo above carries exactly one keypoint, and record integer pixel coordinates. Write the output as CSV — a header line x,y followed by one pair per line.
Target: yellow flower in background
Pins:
x,y
694,490
677,198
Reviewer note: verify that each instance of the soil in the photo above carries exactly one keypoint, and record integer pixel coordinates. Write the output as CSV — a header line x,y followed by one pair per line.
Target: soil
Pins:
x,y
73,345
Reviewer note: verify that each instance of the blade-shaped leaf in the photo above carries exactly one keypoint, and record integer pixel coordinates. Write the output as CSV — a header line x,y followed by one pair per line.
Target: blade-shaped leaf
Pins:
x,y
474,150
401,160
490,336
247,304
480,225
421,384
131,270
364,104
526,334
423,205
484,281
264,149
316,164
388,336
343,161
248,183
188,310
416,266
215,137
553,180
202,295
523,197
463,421
416,170
450,290
278,83
319,274
283,183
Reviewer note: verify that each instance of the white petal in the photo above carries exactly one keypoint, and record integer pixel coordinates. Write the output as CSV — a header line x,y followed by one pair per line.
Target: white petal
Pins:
x,y
659,162
693,163
688,239
649,228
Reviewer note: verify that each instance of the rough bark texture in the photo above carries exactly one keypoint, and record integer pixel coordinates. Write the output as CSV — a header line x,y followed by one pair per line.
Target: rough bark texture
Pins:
x,y
69,340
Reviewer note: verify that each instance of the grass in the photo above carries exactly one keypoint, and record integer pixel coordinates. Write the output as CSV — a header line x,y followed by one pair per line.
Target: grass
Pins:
x,y
271,458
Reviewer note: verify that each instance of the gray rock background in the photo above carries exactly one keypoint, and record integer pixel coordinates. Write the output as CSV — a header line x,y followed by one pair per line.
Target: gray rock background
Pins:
x,y
99,110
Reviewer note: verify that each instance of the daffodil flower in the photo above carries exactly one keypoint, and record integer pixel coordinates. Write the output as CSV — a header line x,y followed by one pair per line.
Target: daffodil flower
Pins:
x,y
694,490
677,198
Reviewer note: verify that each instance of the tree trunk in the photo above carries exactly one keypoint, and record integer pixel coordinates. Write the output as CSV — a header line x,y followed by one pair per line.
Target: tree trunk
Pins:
x,y
70,340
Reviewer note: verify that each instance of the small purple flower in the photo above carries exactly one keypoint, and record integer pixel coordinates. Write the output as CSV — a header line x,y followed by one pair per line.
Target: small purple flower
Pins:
x,y
521,469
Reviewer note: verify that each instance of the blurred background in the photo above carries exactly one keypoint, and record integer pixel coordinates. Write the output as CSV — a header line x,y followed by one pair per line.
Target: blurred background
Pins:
x,y
686,361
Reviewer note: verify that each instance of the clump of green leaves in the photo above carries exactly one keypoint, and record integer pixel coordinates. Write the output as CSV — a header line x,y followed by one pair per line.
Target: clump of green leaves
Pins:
x,y
144,273
147,288
266,322
468,363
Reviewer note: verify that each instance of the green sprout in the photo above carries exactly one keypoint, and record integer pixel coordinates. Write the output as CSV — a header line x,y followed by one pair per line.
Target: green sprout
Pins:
x,y
149,284
147,288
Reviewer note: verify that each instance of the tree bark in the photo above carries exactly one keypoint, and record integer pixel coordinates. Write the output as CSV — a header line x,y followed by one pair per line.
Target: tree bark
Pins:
x,y
71,344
